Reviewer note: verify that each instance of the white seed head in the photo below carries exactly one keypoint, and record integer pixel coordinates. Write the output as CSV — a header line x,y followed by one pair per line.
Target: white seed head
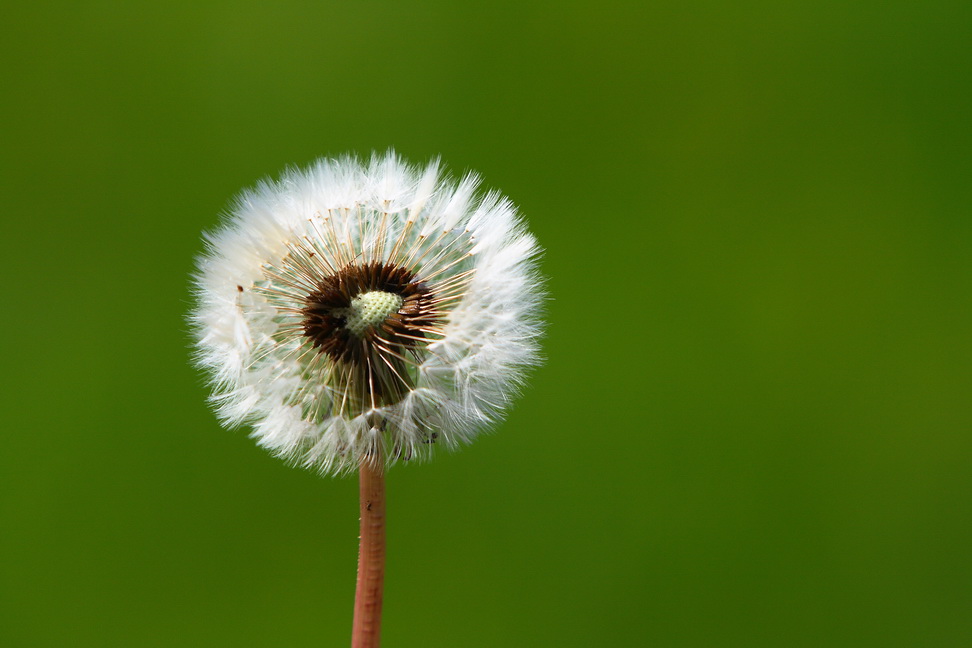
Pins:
x,y
354,310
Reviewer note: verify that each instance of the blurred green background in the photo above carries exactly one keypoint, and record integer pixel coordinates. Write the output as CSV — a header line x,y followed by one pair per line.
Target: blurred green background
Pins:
x,y
753,427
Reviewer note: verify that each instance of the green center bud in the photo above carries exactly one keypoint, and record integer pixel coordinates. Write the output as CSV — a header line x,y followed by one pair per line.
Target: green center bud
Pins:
x,y
369,310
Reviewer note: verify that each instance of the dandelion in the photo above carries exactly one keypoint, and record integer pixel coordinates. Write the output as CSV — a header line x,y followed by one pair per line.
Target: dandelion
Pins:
x,y
356,314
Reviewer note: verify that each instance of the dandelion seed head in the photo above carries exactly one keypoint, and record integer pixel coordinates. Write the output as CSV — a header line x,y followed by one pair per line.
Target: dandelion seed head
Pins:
x,y
353,310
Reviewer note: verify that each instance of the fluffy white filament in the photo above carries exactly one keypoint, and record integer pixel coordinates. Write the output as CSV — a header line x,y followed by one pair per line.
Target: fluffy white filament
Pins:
x,y
259,265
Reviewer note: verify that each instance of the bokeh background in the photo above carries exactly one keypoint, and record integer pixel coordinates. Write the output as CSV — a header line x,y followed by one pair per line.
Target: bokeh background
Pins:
x,y
753,427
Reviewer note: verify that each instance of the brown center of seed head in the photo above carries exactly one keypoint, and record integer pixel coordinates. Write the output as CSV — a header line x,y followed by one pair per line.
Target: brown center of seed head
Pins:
x,y
373,318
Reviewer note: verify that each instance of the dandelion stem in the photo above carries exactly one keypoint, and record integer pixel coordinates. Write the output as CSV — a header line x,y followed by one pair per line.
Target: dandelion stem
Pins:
x,y
371,556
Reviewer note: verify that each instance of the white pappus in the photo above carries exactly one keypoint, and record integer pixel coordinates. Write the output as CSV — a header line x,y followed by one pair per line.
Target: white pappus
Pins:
x,y
357,310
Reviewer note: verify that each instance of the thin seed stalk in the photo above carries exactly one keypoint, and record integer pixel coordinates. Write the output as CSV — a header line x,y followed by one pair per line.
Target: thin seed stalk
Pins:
x,y
366,631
